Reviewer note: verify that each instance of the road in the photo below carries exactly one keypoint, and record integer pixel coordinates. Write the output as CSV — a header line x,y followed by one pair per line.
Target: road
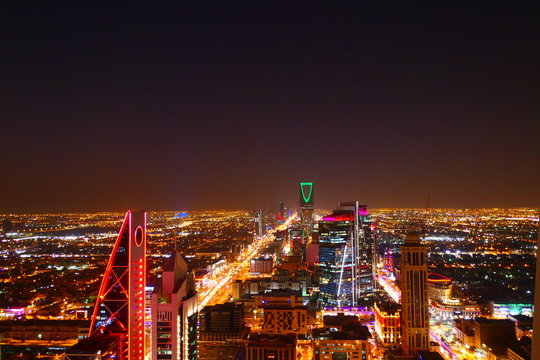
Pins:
x,y
219,287
390,287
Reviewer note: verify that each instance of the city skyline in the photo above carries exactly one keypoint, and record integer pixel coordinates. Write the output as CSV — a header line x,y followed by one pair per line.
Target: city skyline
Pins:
x,y
317,180
181,105
259,284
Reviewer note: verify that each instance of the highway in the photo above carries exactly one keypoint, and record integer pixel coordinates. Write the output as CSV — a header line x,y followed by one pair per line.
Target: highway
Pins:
x,y
218,289
445,350
390,287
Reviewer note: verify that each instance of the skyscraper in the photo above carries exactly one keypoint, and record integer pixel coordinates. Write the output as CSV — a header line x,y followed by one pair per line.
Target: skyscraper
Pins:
x,y
117,328
345,257
414,296
536,318
259,223
306,209
174,313
335,270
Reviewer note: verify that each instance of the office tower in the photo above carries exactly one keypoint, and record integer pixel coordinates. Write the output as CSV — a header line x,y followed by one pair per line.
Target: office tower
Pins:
x,y
221,322
295,236
306,209
335,276
117,326
259,223
345,262
174,313
363,252
535,354
414,298
279,213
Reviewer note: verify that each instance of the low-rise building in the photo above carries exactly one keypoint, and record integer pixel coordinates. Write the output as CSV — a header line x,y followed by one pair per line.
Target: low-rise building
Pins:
x,y
454,309
220,350
271,347
502,310
263,265
44,332
221,322
523,325
493,334
387,322
439,287
342,337
282,320
464,330
520,350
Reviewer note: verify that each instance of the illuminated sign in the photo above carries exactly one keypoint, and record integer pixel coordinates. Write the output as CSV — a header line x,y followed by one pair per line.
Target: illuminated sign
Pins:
x,y
306,192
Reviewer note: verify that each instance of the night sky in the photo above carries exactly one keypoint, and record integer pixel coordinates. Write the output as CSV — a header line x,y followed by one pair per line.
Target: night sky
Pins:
x,y
228,105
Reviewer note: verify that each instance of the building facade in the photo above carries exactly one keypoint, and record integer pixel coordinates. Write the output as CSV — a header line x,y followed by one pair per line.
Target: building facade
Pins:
x,y
387,322
414,298
345,257
279,320
439,288
174,313
492,332
221,322
271,347
262,265
341,337
306,210
334,347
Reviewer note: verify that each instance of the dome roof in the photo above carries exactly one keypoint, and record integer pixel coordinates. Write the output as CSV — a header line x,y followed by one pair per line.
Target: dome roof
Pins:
x,y
412,237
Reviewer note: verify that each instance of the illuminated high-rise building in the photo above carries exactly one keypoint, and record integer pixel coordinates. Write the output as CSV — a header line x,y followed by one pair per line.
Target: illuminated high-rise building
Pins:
x,y
174,313
278,209
536,318
117,327
296,241
306,209
414,296
345,257
259,223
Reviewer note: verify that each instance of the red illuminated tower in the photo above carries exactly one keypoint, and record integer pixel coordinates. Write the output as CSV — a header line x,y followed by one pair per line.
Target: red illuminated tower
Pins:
x,y
119,309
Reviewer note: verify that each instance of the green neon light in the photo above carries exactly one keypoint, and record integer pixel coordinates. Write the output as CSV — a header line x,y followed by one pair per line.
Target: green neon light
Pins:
x,y
306,199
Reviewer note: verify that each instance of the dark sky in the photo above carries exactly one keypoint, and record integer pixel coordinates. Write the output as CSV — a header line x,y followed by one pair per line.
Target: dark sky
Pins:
x,y
225,104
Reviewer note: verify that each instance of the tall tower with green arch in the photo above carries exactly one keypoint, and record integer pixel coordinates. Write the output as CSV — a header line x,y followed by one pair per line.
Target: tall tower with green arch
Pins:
x,y
306,210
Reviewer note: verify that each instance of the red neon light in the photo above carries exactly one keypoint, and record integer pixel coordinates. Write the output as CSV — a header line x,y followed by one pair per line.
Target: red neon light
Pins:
x,y
102,292
434,277
340,217
124,279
